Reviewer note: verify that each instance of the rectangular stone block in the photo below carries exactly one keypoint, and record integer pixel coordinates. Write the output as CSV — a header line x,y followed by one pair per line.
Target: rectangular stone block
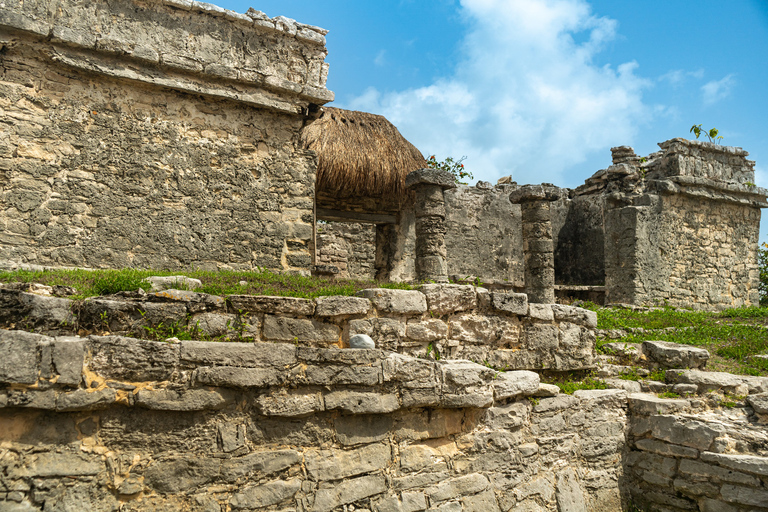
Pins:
x,y
183,400
455,487
410,372
337,464
746,463
67,356
355,402
444,299
510,303
341,306
670,450
401,302
85,400
337,374
299,330
711,471
265,495
541,337
18,364
272,305
237,377
291,405
263,463
120,358
349,491
362,428
580,316
238,354
745,495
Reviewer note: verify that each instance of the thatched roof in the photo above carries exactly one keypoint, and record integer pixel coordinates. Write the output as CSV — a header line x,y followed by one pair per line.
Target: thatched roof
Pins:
x,y
360,155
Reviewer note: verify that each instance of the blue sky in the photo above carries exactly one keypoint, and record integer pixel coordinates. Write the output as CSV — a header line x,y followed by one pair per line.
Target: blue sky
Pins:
x,y
542,89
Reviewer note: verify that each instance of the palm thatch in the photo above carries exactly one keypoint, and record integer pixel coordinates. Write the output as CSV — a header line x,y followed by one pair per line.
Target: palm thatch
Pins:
x,y
360,155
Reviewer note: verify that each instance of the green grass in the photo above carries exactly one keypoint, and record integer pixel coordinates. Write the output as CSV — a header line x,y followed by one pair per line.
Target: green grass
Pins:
x,y
90,283
731,336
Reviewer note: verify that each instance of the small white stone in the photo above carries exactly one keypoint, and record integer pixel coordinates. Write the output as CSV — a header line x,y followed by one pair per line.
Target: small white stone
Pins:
x,y
361,341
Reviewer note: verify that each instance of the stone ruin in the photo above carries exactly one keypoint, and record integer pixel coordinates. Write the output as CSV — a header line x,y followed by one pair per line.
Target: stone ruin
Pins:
x,y
164,133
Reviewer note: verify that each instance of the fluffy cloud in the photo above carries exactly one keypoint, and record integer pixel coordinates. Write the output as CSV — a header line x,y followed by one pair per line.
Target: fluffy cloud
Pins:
x,y
526,97
716,90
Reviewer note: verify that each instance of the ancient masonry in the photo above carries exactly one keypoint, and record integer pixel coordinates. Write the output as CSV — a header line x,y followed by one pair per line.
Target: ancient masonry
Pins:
x,y
156,134
293,422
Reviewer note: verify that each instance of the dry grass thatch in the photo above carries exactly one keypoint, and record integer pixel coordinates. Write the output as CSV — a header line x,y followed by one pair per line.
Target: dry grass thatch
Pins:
x,y
360,154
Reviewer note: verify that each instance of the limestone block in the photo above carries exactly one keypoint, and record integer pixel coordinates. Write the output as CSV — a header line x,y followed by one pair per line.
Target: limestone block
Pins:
x,y
31,398
263,463
449,298
466,384
214,324
613,398
507,416
410,372
355,402
426,330
498,331
580,316
341,306
38,310
648,404
759,403
630,386
541,337
745,463
19,362
556,403
298,329
85,400
704,471
456,487
386,332
265,495
121,358
67,357
337,464
744,495
273,305
546,390
238,354
510,303
401,302
349,491
65,464
183,400
511,384
182,474
159,283
666,449
362,428
570,496
194,301
709,381
666,354
334,375
541,312
693,433
238,377
337,356
429,176
290,405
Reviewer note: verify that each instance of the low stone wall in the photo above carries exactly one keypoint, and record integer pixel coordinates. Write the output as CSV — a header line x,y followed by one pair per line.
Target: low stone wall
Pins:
x,y
685,456
106,422
449,321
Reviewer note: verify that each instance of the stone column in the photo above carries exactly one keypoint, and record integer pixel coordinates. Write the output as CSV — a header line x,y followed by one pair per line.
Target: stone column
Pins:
x,y
428,186
538,248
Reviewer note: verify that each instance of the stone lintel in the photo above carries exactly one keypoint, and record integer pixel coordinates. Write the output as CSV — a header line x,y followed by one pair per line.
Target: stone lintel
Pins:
x,y
427,176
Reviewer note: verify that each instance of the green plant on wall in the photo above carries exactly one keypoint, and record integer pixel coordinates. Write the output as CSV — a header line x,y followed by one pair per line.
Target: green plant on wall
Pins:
x,y
712,134
455,167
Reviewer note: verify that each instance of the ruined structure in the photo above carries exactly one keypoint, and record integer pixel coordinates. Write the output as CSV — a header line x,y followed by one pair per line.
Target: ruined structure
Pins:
x,y
294,421
160,134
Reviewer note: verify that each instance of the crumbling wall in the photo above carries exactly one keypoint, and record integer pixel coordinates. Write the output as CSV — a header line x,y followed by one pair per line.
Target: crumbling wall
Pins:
x,y
350,247
157,135
685,456
105,422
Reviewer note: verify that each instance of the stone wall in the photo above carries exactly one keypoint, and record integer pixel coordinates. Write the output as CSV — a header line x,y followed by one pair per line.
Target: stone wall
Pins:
x,y
105,422
483,235
448,321
350,247
155,134
686,456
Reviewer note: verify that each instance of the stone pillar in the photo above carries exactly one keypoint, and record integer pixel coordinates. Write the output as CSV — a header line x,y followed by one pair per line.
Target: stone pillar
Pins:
x,y
428,186
538,248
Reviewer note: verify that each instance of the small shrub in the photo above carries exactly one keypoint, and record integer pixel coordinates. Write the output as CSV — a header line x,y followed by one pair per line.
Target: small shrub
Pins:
x,y
455,167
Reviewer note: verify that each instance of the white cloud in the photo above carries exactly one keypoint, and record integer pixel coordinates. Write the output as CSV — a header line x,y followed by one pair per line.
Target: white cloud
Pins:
x,y
526,98
676,77
716,90
381,58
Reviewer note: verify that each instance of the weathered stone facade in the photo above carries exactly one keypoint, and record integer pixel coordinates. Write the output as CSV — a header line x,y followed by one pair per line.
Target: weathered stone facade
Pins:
x,y
348,246
156,134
